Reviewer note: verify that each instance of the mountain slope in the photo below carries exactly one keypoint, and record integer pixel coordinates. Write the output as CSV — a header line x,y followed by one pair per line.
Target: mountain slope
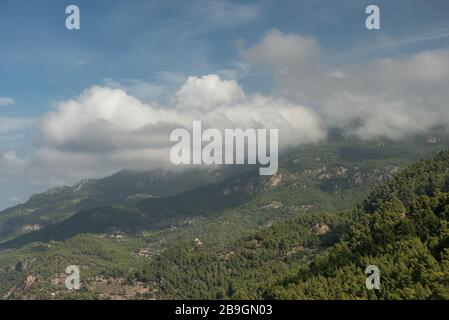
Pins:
x,y
153,213
403,229
307,180
124,187
276,227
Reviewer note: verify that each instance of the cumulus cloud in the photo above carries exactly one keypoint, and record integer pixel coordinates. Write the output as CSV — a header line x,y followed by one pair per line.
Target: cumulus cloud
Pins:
x,y
111,127
107,129
283,53
5,101
390,97
208,93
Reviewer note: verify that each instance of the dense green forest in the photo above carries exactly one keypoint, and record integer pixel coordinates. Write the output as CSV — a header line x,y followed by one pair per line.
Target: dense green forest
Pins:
x,y
402,228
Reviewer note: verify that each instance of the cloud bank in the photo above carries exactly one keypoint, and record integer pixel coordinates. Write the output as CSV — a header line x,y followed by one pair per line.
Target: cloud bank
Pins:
x,y
107,128
390,97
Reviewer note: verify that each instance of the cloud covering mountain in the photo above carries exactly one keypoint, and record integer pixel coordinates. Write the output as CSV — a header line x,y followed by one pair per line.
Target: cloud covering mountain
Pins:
x,y
105,129
390,97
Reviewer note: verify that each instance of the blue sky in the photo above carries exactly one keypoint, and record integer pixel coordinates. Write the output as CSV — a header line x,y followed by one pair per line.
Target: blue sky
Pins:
x,y
40,61
151,46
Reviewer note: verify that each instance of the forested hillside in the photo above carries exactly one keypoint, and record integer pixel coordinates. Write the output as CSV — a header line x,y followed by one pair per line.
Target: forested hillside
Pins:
x,y
123,188
306,233
403,228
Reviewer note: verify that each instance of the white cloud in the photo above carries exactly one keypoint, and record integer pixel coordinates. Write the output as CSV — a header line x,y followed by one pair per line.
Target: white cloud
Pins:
x,y
282,52
5,101
387,97
118,126
208,92
107,129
